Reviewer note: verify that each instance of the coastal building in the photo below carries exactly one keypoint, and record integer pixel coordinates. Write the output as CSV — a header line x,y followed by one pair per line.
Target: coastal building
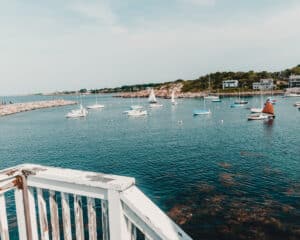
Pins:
x,y
264,84
294,81
230,83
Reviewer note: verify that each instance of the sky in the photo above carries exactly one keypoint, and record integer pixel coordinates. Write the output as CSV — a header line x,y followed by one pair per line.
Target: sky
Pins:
x,y
57,45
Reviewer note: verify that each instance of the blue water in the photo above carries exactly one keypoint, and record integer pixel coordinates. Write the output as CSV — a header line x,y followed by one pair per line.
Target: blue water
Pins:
x,y
178,159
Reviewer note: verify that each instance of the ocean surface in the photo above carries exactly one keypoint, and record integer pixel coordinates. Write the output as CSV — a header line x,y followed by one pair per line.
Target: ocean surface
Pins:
x,y
218,176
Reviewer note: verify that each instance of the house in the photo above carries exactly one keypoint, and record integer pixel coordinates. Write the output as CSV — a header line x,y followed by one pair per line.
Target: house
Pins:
x,y
230,84
294,81
263,84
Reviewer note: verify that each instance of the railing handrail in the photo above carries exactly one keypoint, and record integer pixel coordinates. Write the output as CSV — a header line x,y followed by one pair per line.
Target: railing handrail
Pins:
x,y
125,207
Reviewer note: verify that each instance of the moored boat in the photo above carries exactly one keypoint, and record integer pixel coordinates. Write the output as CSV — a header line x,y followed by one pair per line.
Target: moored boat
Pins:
x,y
137,113
267,113
81,112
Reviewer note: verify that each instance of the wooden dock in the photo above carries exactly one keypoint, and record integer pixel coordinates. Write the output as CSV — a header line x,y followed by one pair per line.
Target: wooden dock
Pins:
x,y
9,109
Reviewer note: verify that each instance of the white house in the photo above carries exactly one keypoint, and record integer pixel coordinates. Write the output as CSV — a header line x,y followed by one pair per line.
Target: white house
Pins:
x,y
230,84
294,81
264,84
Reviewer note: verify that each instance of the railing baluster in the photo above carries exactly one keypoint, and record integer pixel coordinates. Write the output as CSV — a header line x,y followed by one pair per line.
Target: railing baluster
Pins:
x,y
3,219
131,229
44,228
20,214
78,217
92,219
66,216
32,212
54,215
105,225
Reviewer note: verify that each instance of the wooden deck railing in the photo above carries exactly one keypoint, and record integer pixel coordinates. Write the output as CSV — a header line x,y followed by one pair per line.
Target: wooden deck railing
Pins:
x,y
56,203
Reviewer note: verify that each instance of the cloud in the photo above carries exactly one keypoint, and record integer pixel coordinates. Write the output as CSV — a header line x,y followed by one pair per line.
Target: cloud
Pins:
x,y
98,11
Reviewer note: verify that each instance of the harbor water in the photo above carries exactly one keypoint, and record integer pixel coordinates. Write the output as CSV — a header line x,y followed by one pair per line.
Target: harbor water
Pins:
x,y
219,176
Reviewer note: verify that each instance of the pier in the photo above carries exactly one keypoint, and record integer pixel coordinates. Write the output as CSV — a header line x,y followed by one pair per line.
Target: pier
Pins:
x,y
107,207
9,109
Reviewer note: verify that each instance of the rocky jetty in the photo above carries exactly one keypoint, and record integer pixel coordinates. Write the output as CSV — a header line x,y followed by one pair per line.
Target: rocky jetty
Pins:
x,y
9,109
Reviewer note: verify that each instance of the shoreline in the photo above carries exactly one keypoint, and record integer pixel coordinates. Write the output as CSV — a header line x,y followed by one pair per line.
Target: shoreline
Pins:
x,y
14,108
167,94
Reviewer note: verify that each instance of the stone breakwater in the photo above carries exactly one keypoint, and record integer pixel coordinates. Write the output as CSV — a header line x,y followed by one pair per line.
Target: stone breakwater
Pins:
x,y
9,109
163,93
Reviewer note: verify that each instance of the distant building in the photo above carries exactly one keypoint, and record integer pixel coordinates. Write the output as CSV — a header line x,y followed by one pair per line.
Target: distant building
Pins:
x,y
263,84
294,81
230,84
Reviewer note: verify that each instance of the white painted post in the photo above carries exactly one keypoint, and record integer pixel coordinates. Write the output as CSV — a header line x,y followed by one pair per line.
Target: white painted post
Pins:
x,y
131,229
32,213
105,224
117,222
66,216
3,219
54,215
78,217
92,219
20,214
44,229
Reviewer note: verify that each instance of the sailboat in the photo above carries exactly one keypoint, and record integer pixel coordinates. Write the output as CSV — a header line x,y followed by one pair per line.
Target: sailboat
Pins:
x,y
173,98
81,112
203,111
267,112
210,96
96,105
239,102
258,110
152,100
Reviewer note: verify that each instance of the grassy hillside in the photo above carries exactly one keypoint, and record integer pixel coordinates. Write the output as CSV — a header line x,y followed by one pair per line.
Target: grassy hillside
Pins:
x,y
245,79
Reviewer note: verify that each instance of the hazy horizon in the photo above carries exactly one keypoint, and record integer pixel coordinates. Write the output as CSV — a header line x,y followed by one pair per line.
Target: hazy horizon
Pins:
x,y
68,45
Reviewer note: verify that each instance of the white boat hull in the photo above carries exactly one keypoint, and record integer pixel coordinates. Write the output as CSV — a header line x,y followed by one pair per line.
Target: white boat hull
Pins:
x,y
96,106
137,113
256,110
155,105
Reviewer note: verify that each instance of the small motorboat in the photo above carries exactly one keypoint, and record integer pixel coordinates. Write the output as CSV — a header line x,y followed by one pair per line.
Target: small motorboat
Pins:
x,y
137,113
297,104
155,105
95,106
211,97
256,110
81,112
216,100
201,112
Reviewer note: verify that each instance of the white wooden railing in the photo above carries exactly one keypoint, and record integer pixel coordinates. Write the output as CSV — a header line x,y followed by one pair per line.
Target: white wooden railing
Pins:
x,y
56,203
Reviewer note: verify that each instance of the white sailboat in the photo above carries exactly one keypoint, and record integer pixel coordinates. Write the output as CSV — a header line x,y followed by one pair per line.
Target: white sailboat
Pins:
x,y
173,98
203,111
255,109
210,96
152,100
96,105
81,112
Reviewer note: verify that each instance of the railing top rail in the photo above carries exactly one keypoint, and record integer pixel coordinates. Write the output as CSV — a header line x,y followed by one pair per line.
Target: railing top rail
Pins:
x,y
91,179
